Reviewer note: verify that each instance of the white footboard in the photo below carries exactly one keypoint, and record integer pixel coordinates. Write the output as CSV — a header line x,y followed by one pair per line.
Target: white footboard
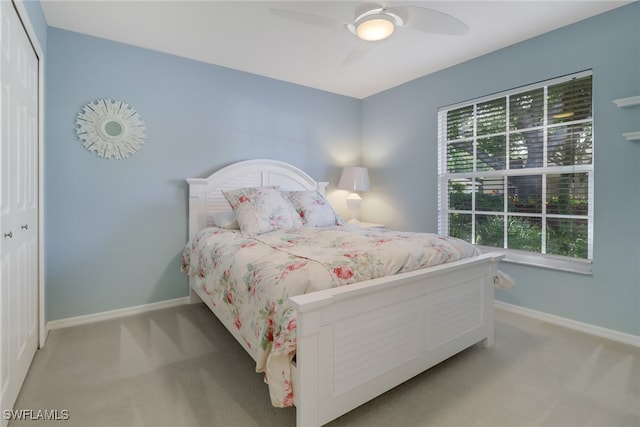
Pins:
x,y
356,342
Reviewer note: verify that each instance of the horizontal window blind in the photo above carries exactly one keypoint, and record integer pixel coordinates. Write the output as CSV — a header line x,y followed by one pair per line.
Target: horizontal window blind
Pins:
x,y
516,169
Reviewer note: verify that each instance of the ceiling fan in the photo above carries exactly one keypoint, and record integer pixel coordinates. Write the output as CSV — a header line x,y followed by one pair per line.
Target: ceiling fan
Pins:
x,y
375,22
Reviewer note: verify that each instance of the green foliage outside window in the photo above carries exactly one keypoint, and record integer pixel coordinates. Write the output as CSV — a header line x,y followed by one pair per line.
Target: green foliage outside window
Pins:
x,y
566,237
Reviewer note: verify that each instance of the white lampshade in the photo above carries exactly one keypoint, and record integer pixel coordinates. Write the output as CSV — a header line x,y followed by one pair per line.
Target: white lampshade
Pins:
x,y
354,178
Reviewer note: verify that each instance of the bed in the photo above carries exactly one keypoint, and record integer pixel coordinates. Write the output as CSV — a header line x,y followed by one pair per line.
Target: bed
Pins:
x,y
352,343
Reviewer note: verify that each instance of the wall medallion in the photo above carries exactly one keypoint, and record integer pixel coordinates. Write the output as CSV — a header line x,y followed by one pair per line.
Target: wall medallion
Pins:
x,y
111,129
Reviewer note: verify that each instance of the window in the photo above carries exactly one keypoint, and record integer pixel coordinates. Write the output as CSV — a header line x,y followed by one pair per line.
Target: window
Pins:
x,y
516,172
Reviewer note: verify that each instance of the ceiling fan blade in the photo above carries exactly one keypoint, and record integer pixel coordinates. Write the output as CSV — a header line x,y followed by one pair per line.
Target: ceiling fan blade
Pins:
x,y
429,20
358,53
307,18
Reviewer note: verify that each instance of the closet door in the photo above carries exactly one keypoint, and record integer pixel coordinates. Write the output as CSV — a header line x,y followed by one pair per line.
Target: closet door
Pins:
x,y
18,204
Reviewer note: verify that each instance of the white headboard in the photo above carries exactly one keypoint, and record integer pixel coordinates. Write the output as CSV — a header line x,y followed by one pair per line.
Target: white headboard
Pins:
x,y
205,194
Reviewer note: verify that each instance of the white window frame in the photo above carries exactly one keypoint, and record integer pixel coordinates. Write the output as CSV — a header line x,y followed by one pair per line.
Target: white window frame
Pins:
x,y
556,262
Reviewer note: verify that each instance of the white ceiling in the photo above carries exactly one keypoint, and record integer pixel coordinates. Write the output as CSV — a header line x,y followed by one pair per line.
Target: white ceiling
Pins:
x,y
248,36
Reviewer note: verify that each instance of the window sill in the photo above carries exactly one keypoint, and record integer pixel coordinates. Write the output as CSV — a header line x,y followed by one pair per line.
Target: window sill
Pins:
x,y
552,262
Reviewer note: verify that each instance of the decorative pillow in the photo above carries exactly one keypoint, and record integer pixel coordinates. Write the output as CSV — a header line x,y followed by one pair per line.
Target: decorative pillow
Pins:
x,y
226,220
261,209
313,208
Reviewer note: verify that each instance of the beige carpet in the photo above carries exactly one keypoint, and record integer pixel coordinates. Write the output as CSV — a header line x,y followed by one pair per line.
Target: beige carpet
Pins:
x,y
180,367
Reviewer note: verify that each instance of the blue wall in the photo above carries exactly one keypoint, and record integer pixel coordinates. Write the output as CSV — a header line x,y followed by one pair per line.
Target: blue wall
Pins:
x,y
115,229
400,146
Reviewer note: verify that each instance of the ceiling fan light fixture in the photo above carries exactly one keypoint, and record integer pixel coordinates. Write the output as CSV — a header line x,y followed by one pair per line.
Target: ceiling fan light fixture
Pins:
x,y
375,27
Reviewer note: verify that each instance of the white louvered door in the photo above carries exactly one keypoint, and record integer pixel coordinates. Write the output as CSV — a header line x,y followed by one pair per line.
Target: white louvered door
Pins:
x,y
18,205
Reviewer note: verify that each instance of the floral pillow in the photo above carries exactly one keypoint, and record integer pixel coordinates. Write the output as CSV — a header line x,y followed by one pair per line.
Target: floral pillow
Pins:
x,y
261,209
313,208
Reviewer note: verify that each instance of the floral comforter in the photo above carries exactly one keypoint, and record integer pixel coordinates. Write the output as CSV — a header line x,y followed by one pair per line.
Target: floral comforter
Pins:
x,y
251,277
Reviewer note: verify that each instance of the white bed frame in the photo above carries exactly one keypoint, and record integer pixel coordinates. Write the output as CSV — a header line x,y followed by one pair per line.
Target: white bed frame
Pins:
x,y
358,341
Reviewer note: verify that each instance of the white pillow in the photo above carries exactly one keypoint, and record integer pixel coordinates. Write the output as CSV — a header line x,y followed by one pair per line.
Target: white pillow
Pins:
x,y
262,209
226,220
313,208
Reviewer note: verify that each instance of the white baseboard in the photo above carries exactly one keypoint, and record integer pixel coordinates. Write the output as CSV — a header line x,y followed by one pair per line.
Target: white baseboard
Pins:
x,y
622,337
550,318
114,314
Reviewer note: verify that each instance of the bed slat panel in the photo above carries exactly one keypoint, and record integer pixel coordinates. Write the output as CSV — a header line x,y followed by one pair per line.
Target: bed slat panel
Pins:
x,y
453,311
387,337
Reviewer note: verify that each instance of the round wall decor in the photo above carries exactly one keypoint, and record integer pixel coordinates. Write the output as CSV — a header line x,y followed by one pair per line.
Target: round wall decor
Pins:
x,y
110,128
